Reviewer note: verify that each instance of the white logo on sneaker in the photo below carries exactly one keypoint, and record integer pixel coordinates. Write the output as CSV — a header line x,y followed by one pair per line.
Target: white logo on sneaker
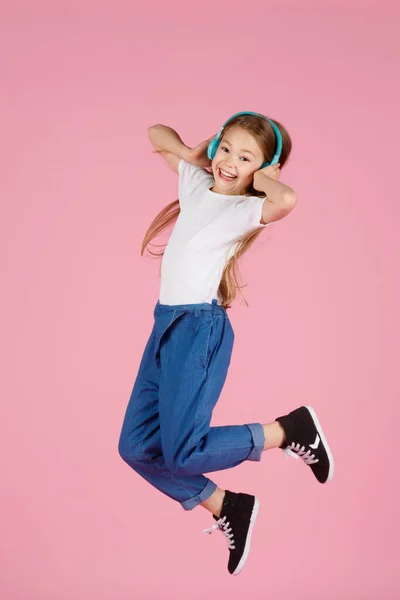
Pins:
x,y
315,445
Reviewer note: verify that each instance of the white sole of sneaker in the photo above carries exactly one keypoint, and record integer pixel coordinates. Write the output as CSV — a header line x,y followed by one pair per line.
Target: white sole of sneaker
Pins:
x,y
323,438
248,539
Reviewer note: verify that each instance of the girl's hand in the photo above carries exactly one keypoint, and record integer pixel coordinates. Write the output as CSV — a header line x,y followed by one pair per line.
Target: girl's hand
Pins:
x,y
198,156
272,171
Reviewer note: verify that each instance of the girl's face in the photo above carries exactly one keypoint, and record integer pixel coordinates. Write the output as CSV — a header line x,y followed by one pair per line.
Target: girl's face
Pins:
x,y
237,159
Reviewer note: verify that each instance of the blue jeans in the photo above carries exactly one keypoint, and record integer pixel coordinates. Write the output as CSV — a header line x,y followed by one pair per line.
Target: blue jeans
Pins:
x,y
166,435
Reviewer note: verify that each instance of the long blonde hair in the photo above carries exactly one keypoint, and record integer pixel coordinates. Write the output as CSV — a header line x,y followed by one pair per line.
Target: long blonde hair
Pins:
x,y
264,135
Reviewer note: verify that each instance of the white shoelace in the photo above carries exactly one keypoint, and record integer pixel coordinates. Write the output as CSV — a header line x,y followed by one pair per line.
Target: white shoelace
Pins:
x,y
223,526
296,451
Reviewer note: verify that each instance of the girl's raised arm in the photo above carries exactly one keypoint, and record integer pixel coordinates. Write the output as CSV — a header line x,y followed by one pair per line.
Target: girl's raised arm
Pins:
x,y
167,142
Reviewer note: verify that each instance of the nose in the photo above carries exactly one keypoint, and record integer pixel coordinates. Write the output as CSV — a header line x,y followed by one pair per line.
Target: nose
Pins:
x,y
231,163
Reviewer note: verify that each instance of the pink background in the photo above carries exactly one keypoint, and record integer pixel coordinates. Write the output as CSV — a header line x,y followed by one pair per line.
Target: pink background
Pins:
x,y
81,82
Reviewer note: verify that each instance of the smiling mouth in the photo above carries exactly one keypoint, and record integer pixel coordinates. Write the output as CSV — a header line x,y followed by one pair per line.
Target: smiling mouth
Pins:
x,y
225,176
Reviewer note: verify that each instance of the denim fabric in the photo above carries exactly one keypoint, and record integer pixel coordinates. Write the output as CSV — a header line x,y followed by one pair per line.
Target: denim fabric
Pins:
x,y
166,435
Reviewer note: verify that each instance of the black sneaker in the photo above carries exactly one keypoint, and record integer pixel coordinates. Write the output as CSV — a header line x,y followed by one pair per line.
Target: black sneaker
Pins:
x,y
238,515
305,439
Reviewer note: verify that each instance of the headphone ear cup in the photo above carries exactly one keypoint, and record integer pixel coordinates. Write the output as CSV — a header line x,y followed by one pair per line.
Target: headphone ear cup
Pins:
x,y
212,147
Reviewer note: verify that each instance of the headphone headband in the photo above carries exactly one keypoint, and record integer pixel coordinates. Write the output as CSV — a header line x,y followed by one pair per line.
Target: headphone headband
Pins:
x,y
213,145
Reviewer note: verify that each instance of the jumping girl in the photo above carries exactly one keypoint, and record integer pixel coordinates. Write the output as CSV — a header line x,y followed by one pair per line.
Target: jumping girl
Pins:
x,y
228,192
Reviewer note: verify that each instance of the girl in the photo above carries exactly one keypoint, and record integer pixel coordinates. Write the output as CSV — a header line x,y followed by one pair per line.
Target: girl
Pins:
x,y
166,435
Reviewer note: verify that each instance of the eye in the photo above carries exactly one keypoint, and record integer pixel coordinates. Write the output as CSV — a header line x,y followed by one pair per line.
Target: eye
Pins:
x,y
224,148
245,158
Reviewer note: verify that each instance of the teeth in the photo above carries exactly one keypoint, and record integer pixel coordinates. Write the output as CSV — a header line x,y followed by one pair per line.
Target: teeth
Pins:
x,y
227,174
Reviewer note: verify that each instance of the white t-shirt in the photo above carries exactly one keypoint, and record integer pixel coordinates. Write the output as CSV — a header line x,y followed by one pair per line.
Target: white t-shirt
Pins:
x,y
205,236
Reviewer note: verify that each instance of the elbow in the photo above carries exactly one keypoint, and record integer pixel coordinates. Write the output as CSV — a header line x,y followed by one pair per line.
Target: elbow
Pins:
x,y
152,127
153,135
150,131
290,199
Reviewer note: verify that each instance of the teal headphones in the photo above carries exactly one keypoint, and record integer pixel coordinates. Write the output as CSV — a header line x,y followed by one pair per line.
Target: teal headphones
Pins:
x,y
213,145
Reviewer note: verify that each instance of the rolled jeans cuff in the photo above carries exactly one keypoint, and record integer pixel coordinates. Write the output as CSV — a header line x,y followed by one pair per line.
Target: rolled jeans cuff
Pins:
x,y
204,494
257,433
